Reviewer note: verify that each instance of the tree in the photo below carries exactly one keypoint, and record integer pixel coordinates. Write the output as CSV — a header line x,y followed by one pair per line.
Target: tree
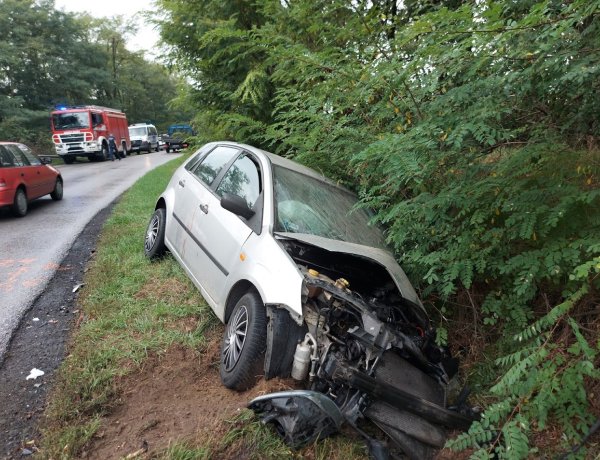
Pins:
x,y
45,55
214,45
49,57
471,129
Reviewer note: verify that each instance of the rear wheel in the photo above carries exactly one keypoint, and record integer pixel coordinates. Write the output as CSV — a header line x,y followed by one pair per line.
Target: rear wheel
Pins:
x,y
244,342
19,206
57,193
154,241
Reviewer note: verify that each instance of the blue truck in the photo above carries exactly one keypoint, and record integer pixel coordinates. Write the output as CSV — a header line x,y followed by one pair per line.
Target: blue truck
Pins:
x,y
176,136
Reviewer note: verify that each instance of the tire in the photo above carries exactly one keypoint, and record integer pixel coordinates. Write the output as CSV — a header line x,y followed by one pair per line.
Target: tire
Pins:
x,y
57,193
154,241
68,159
20,205
167,149
104,152
157,147
244,342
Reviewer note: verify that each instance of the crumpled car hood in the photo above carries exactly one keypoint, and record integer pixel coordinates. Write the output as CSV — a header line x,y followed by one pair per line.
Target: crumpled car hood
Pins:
x,y
377,255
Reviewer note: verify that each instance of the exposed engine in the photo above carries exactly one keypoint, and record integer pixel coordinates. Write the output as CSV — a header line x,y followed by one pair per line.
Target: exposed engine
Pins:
x,y
370,351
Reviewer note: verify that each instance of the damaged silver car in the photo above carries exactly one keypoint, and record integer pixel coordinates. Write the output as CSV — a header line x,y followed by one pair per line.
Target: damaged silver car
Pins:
x,y
308,289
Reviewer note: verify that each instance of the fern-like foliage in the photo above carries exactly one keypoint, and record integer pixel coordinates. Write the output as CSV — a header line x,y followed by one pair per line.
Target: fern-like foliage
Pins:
x,y
472,130
543,378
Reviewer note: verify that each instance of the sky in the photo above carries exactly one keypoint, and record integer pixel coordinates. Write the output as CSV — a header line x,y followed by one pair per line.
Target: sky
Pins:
x,y
146,37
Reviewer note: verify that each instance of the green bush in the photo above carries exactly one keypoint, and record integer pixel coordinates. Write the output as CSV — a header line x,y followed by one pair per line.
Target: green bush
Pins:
x,y
472,129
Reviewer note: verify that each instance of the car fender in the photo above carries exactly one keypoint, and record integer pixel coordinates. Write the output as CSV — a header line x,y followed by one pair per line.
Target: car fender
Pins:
x,y
167,197
265,264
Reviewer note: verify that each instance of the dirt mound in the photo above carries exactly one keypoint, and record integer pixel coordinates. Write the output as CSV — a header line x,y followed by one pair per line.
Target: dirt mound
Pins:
x,y
174,396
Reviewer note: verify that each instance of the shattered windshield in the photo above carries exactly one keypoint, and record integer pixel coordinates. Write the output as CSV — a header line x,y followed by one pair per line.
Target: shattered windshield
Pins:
x,y
307,205
71,120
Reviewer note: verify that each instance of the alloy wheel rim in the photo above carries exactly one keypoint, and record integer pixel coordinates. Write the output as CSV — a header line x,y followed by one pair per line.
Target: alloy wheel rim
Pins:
x,y
235,339
152,233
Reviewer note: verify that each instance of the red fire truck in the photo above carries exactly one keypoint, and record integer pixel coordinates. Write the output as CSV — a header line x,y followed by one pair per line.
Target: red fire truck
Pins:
x,y
83,131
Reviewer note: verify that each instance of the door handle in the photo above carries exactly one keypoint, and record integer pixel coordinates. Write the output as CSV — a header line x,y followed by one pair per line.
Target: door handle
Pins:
x,y
181,183
204,208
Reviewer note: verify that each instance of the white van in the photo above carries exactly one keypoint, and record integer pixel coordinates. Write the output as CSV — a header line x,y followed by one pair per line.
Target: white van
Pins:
x,y
143,137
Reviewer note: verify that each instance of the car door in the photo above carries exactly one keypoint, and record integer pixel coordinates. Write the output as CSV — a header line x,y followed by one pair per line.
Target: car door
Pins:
x,y
192,188
44,175
10,173
224,232
29,173
154,136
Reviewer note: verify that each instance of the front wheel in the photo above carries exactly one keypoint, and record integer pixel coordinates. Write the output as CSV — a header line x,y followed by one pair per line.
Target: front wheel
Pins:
x,y
154,241
19,206
57,193
244,342
104,153
68,159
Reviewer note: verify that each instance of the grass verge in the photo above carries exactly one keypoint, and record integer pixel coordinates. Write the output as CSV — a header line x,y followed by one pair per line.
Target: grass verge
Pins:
x,y
132,309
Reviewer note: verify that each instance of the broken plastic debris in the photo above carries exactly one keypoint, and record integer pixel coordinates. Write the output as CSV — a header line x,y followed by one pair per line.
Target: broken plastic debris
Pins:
x,y
77,287
34,374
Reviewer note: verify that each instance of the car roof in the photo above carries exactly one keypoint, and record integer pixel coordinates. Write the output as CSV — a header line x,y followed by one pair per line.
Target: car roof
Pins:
x,y
288,164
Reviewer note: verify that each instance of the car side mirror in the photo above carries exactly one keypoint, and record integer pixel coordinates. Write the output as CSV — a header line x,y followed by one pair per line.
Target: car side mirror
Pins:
x,y
237,205
45,160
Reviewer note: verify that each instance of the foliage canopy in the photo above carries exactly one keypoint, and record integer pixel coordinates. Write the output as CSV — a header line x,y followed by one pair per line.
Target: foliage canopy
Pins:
x,y
472,129
49,57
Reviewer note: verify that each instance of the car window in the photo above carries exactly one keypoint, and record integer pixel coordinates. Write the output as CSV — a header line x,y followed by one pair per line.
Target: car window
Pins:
x,y
6,158
96,119
137,131
71,120
20,158
197,157
33,160
242,179
209,168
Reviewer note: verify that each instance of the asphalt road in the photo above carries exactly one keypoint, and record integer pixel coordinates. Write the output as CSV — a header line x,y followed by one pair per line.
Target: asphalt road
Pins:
x,y
32,248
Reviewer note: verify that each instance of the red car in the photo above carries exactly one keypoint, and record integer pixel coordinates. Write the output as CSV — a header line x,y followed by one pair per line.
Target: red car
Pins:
x,y
25,177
